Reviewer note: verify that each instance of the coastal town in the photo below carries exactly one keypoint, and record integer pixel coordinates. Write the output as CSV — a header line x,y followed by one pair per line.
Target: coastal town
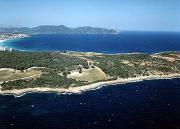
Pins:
x,y
10,36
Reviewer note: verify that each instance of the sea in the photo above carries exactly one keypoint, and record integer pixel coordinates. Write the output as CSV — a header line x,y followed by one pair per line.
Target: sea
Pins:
x,y
150,104
125,42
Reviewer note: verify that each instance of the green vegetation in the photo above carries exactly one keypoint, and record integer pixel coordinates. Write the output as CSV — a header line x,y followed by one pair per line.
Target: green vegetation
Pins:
x,y
57,66
53,62
51,80
24,60
132,65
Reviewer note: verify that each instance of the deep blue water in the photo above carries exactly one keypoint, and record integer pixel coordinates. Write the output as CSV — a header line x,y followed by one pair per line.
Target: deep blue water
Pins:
x,y
142,105
148,42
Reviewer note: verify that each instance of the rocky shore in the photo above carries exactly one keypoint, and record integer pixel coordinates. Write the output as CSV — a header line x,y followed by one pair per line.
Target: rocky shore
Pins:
x,y
78,90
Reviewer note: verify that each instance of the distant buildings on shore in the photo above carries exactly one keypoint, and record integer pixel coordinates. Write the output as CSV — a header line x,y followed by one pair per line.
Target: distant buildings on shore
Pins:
x,y
7,36
6,49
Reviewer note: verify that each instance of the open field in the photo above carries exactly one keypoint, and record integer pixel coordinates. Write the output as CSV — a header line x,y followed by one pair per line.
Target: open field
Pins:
x,y
21,70
89,75
8,74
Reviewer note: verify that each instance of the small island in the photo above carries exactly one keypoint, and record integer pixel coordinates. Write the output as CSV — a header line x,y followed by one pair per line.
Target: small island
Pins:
x,y
75,72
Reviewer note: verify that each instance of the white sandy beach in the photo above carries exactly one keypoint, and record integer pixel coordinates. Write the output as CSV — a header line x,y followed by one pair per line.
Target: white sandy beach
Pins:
x,y
2,40
78,90
1,46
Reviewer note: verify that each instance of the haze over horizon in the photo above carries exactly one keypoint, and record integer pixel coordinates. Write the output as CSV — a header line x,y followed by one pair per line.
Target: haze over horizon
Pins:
x,y
144,15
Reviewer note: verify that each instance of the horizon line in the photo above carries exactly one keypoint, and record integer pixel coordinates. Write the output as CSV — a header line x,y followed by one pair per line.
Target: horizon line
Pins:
x,y
117,29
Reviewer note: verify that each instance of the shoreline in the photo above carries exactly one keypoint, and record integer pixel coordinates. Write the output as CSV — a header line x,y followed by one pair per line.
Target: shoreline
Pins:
x,y
17,37
4,47
5,40
1,41
81,89
77,52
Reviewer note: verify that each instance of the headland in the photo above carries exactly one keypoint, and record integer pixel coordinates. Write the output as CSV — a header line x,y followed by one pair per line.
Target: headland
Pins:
x,y
77,72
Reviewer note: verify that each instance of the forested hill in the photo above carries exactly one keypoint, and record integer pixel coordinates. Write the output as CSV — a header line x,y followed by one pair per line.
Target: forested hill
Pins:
x,y
71,69
61,29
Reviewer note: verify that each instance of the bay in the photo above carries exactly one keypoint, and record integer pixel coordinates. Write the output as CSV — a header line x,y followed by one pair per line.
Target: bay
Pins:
x,y
125,42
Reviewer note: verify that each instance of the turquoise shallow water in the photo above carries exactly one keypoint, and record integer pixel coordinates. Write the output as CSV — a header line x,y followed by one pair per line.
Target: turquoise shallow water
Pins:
x,y
148,42
142,105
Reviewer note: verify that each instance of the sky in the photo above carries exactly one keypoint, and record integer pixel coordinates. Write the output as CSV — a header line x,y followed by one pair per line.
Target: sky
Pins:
x,y
145,15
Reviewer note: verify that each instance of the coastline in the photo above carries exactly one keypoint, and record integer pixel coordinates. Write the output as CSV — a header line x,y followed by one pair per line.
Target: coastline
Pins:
x,y
16,37
2,48
1,41
81,89
4,40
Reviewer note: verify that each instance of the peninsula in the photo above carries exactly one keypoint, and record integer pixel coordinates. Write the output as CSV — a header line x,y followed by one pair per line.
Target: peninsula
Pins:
x,y
75,72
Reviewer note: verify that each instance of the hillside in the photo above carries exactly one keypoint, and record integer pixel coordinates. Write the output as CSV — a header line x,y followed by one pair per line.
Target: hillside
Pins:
x,y
61,29
19,70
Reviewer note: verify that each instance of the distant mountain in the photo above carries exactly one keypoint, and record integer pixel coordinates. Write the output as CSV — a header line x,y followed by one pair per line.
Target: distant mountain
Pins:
x,y
61,29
